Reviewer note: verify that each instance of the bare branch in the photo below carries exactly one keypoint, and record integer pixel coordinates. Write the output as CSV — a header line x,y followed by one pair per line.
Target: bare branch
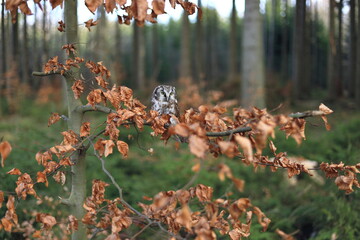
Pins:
x,y
229,132
44,74
98,108
307,114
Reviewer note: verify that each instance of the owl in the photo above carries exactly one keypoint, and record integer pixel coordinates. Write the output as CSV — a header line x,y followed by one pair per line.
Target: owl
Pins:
x,y
164,101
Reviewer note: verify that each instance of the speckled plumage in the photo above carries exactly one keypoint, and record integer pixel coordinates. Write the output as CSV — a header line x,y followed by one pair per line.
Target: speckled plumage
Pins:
x,y
164,101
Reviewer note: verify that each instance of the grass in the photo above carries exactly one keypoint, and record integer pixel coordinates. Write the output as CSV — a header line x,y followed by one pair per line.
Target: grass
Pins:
x,y
312,210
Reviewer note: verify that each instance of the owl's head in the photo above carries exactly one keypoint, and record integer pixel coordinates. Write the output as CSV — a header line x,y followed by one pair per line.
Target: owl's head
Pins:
x,y
164,93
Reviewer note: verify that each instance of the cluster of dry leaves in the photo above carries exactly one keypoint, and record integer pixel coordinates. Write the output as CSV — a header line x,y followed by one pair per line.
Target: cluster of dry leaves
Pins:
x,y
140,10
242,134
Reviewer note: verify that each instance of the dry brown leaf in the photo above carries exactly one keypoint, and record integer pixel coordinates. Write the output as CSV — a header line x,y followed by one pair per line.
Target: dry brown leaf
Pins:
x,y
60,177
73,223
224,171
55,3
227,148
92,5
78,88
5,149
245,145
1,198
198,146
14,171
123,148
108,144
239,184
283,235
53,119
158,6
90,23
85,129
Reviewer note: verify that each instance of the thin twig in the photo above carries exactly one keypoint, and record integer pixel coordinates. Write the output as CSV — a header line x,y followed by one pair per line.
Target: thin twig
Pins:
x,y
229,132
140,232
44,74
96,107
307,114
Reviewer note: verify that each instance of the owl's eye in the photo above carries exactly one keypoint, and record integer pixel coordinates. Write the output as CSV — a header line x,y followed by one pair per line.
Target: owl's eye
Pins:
x,y
162,92
172,94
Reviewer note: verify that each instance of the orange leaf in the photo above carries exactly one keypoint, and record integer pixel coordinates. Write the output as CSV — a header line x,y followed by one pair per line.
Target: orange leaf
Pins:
x,y
196,167
92,5
245,145
41,177
158,6
24,8
53,119
78,88
5,149
109,144
227,148
55,3
85,129
198,146
239,184
325,109
1,198
14,171
123,148
89,23
283,235
6,224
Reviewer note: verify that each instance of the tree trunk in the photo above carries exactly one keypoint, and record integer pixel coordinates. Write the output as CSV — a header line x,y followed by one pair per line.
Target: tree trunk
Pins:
x,y
139,57
233,65
339,78
3,39
78,171
185,64
155,54
353,49
332,52
253,90
299,50
45,46
26,68
199,62
357,83
272,33
285,44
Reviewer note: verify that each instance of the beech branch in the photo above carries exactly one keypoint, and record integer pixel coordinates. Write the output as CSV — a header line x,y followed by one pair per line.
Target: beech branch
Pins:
x,y
307,114
44,74
98,108
229,132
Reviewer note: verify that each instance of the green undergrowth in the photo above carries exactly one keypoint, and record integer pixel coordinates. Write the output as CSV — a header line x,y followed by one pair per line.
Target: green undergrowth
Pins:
x,y
308,209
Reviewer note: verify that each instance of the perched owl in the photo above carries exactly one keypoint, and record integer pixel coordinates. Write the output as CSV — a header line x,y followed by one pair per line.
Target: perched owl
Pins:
x,y
164,101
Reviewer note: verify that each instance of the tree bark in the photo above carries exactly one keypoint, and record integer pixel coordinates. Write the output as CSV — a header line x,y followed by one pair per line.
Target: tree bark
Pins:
x,y
26,68
357,83
253,89
332,52
299,50
155,54
233,65
3,38
353,49
339,63
78,180
139,57
285,44
185,63
199,62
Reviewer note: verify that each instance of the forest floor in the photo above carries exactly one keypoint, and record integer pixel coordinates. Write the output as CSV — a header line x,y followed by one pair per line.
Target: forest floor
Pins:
x,y
309,209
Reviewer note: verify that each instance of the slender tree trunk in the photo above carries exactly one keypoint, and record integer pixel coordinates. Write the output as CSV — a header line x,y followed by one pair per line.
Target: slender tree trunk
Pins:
x,y
357,83
299,50
26,68
45,42
185,64
15,40
332,52
284,43
233,66
253,89
199,62
118,54
339,78
139,57
272,33
3,39
352,49
155,54
78,171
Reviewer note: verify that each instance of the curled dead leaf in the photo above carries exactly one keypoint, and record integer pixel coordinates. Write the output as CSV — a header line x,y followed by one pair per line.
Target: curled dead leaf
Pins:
x,y
5,149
